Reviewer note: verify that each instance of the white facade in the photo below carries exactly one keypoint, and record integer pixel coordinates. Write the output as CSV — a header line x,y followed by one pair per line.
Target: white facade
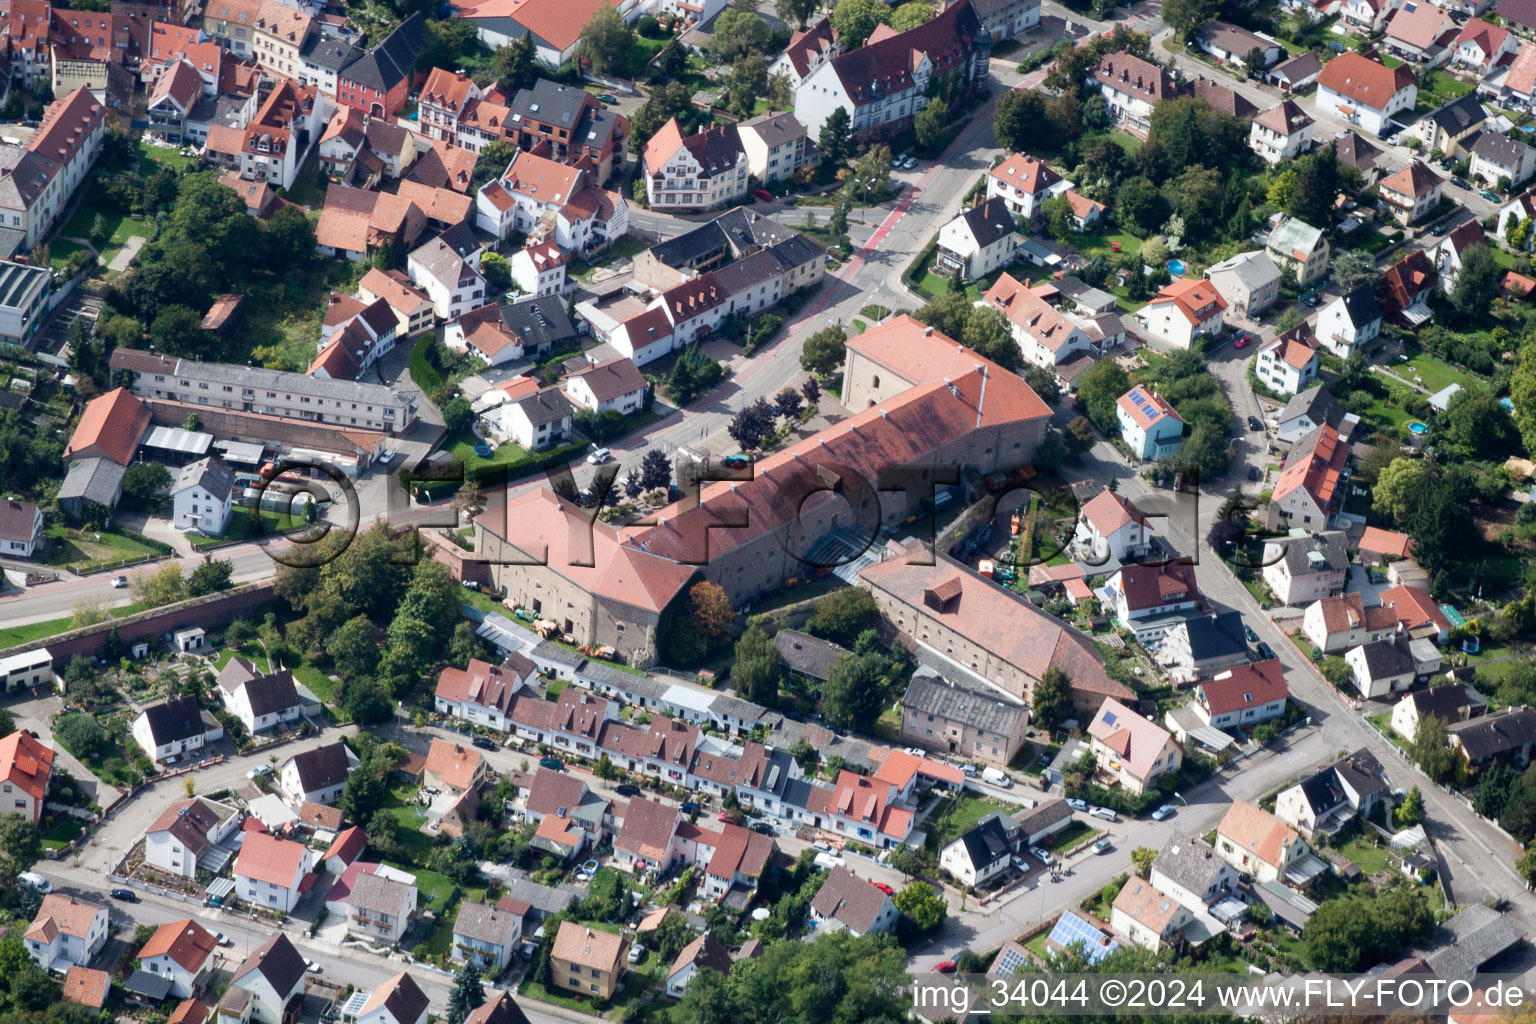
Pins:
x,y
1340,334
198,509
1281,375
49,944
1373,119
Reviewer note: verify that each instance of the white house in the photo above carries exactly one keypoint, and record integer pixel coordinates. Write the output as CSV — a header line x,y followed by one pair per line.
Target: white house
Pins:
x,y
1327,800
1130,748
1303,569
705,953
1369,15
1183,311
1452,704
1150,919
1350,322
1288,361
1421,32
182,953
261,700
539,269
172,728
1447,252
317,775
808,50
1481,46
1187,869
848,902
1305,412
271,873
1242,696
187,829
1046,336
1132,88
1110,526
486,934
1257,843
613,384
540,198
980,854
203,495
1282,132
274,975
534,421
777,145
1235,44
1023,183
1366,93
26,767
1412,193
399,1000
1382,666
977,242
1495,157
67,932
1152,599
447,268
483,693
1337,623
1249,282
1148,423
694,172
21,526
380,907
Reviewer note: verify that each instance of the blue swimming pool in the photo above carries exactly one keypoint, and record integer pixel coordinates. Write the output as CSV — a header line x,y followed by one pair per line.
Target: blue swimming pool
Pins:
x,y
1176,268
1418,428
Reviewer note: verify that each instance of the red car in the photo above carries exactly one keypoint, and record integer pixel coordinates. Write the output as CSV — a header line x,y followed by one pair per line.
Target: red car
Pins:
x,y
1242,341
763,194
729,818
944,967
883,887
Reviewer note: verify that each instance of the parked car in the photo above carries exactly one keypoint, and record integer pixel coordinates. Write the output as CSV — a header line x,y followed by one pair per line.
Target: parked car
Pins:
x,y
1043,856
1254,423
883,887
222,939
627,789
822,845
1242,341
1442,227
1102,846
259,771
311,966
763,828
1266,651
554,764
598,456
606,98
944,967
126,895
729,818
119,582
484,743
763,195
968,770
1314,300
1076,804
1489,195
689,808
1250,635
34,881
636,953
1253,473
1462,183
1103,812
1163,813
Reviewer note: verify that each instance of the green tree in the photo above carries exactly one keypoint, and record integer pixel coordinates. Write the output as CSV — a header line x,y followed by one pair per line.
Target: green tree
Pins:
x,y
178,331
1051,700
836,131
367,702
987,332
494,159
1141,859
1099,389
1522,393
1477,282
364,794
755,675
1431,749
145,485
1393,485
1058,214
153,589
1185,17
354,648
81,735
739,33
1018,114
747,81
854,694
211,576
843,614
856,19
1526,865
467,993
823,352
1478,423
516,65
605,40
1139,207
930,122
1411,811
1353,268
925,907
496,270
797,11
911,15
21,846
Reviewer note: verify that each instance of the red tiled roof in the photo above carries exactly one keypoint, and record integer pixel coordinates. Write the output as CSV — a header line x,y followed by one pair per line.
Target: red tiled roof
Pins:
x,y
1247,686
186,941
1364,81
1414,608
1315,465
1025,172
112,424
26,764
269,859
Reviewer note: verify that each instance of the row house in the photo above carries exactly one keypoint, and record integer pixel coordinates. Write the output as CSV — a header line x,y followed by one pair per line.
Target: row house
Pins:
x,y
322,59
264,31
273,145
676,318
482,693
1046,336
454,110
694,172
356,223
1337,623
360,149
38,178
413,310
777,145
1311,487
502,333
884,83
543,199
1132,87
379,82
353,337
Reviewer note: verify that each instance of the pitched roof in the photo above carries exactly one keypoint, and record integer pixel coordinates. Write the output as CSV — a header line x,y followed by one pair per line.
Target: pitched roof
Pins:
x,y
1298,68
1129,74
1501,149
1414,607
63,915
1228,101
1286,118
987,842
1385,542
1196,299
1146,407
484,684
988,221
1152,586
322,767
1355,151
486,923
1485,737
1365,81
1029,311
587,947
398,996
186,942
1315,464
1188,861
1247,686
389,63
1108,511
884,66
846,897
455,763
266,858
1484,36
347,845
277,961
612,379
706,951
810,43
1445,702
112,424
1144,904
1417,24
1317,404
1256,831
1521,78
26,764
89,987
648,828
929,693
174,720
1344,612
1324,551
498,1009
1138,742
379,893
1414,180
1296,347
1026,173
190,821
267,692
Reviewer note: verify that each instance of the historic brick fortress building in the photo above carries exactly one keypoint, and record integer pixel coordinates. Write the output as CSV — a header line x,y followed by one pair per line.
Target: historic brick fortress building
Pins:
x,y
920,402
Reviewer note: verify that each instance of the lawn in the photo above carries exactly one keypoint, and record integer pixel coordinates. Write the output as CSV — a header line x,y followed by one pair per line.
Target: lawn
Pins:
x,y
888,725
960,813
320,684
171,158
626,248
1096,243
1383,722
1368,857
63,833
409,817
81,548
1036,945
1073,837
13,636
118,226
59,252
512,457
933,285
252,652
1128,142
1432,373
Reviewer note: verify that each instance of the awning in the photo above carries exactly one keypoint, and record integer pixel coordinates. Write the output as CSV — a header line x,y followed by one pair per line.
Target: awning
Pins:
x,y
1417,313
175,439
1305,870
242,452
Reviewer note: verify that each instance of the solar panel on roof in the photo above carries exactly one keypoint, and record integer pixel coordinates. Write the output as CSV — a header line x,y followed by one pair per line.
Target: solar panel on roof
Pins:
x,y
1109,718
1010,961
1071,930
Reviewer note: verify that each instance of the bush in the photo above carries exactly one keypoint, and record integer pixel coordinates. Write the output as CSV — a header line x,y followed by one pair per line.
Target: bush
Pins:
x,y
648,27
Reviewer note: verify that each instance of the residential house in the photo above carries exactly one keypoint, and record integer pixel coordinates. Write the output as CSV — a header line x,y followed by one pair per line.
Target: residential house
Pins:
x,y
1378,546
362,150
1448,252
981,853
353,337
1148,424
1452,127
1351,322
1236,45
1335,624
944,716
202,496
23,289
586,961
1296,74
536,420
1046,336
1023,183
1506,737
1131,749
1421,32
1110,526
555,26
26,766
1007,19
452,767
1203,644
182,953
1304,569
1452,704
1248,283
849,903
1183,312
273,145
1417,612
498,1009
1132,88
1306,412
1298,245
412,307
273,873
1257,843
807,656
536,194
978,241
1406,286
399,1000
317,775
734,863
187,829
1242,696
172,729
500,334
1370,16
540,269
1289,361
381,907
1150,919
1327,800
84,986
1480,46
704,953
1382,666
566,124
1412,193
694,172
1497,159
1519,85
482,693
1365,92
38,177
356,223
1188,870
649,839
1311,487
379,82
447,268
264,31
776,145
487,936
808,49
66,932
884,83
273,975
612,385
1042,821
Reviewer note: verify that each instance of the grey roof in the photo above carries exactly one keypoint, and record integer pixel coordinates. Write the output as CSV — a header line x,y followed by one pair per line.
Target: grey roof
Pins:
x,y
1446,702
1469,940
691,247
539,323
1322,792
1459,116
485,923
600,672
547,406
612,379
97,479
1362,772
390,62
446,257
1232,38
1490,736
806,654
1085,295
1386,658
987,842
928,693
777,129
1352,149
1189,861
748,273
548,650
378,893
551,103
735,707
1216,636
174,720
257,378
1501,149
16,279
1254,269
846,897
1298,68
329,53
150,986
1318,552
1042,816
545,899
211,474
1317,404
795,251
1360,305
322,766
989,221
267,692
18,520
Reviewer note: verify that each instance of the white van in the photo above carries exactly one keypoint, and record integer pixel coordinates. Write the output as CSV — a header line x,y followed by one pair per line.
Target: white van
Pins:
x,y
997,777
1103,812
598,456
34,881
